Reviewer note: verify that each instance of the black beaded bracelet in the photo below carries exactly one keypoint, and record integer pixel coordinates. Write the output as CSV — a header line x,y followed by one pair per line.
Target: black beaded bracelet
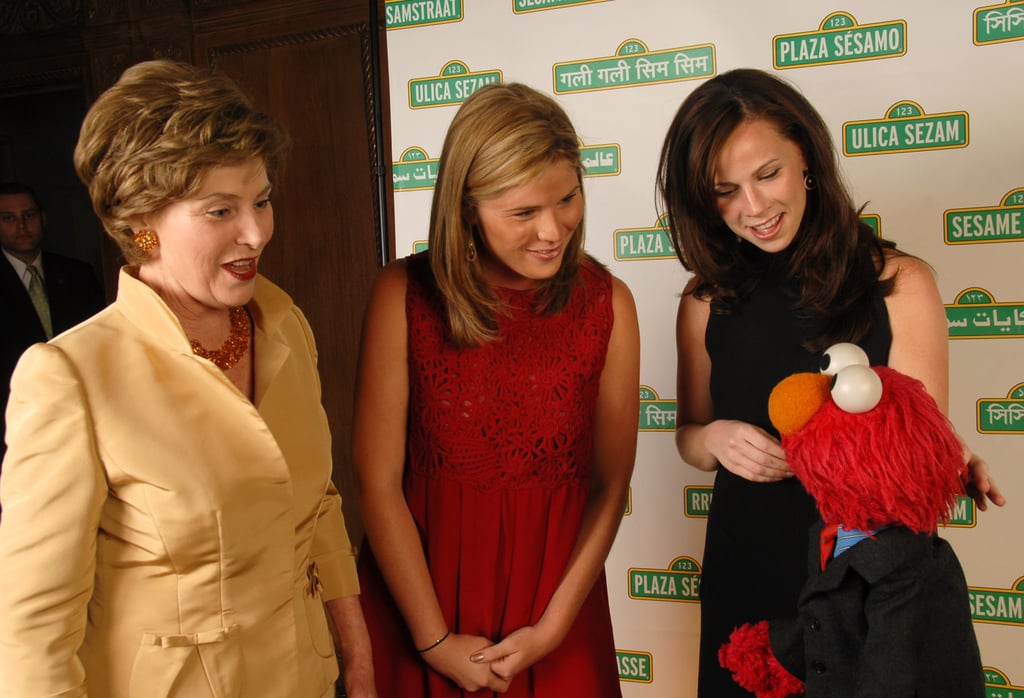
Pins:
x,y
442,639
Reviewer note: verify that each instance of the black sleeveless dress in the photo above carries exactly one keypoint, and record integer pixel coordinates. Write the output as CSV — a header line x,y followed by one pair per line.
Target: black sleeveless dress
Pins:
x,y
755,554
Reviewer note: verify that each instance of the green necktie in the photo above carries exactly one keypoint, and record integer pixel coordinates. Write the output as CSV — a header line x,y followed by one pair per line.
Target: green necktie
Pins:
x,y
37,291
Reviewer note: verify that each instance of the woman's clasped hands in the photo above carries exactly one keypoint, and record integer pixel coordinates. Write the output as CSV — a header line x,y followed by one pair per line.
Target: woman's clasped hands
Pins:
x,y
451,658
474,663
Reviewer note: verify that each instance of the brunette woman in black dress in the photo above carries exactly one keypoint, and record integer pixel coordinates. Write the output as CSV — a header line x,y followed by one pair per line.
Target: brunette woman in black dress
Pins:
x,y
782,268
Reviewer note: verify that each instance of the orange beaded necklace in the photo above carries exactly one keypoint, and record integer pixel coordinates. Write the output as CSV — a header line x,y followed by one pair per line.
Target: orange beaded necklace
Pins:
x,y
234,346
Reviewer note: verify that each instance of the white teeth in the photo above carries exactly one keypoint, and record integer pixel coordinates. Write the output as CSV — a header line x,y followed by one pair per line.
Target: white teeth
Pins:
x,y
769,224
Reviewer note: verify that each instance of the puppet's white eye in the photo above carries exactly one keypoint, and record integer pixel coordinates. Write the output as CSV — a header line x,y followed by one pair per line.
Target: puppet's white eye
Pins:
x,y
839,356
856,389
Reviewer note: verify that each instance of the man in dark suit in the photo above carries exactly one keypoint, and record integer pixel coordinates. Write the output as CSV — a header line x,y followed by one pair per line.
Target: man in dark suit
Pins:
x,y
41,293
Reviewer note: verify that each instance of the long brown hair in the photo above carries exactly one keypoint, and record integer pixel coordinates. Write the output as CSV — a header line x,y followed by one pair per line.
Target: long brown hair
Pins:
x,y
503,136
836,259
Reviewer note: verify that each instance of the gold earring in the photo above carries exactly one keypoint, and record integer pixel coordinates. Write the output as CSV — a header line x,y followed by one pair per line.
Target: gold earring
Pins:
x,y
471,252
146,240
809,181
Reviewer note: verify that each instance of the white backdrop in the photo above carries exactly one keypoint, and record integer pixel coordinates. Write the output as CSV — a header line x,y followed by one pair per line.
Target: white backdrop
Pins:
x,y
924,100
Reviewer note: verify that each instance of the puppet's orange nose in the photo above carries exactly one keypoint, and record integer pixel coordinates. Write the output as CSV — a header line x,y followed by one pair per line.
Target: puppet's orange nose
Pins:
x,y
796,399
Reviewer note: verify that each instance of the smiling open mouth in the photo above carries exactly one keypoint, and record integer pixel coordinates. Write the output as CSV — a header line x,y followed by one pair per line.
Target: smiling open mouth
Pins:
x,y
765,227
243,269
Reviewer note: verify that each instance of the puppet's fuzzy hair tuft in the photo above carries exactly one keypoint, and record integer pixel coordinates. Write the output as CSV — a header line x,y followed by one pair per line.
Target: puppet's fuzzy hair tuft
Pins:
x,y
899,463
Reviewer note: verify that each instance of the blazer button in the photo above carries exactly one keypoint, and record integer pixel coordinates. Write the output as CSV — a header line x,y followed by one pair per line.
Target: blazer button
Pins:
x,y
815,625
819,667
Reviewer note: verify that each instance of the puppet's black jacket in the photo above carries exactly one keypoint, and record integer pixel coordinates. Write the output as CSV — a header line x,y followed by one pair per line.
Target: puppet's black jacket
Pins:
x,y
888,618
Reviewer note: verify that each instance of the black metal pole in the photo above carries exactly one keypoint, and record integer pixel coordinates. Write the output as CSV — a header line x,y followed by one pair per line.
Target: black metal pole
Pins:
x,y
378,118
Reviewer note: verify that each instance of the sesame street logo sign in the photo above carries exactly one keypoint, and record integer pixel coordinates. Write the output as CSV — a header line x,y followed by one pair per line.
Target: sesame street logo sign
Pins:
x,y
634,65
1002,415
414,171
697,501
873,221
975,315
644,243
522,6
601,160
454,85
656,414
840,39
680,582
997,685
400,14
995,24
963,514
1002,223
999,606
905,128
635,666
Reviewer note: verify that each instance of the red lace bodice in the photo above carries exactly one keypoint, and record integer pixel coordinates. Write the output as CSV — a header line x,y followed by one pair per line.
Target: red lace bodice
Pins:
x,y
518,411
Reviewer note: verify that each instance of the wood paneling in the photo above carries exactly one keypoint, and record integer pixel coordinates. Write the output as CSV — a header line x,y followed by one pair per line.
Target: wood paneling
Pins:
x,y
308,63
325,249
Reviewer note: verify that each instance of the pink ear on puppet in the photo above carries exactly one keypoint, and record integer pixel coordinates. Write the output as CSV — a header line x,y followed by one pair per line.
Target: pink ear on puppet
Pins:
x,y
748,655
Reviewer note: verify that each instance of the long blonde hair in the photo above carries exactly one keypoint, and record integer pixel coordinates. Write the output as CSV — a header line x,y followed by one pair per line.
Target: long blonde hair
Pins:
x,y
503,136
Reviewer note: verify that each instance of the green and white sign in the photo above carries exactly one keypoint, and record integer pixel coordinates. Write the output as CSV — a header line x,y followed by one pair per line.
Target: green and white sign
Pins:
x,y
644,243
523,6
963,513
601,160
633,65
840,39
697,501
414,171
680,582
999,606
997,685
1002,415
400,14
454,85
975,315
656,414
1002,223
635,666
994,24
905,128
874,221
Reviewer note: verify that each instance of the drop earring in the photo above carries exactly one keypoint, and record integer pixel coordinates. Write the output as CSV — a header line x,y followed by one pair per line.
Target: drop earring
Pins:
x,y
471,252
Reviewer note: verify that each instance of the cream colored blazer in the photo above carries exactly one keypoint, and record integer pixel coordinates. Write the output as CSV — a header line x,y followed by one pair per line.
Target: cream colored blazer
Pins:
x,y
159,530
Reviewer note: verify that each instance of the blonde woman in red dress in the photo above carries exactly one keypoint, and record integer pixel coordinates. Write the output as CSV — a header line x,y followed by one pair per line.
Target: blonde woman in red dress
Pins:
x,y
496,424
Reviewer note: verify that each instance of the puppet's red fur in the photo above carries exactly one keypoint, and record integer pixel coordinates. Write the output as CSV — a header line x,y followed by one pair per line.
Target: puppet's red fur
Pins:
x,y
899,463
748,655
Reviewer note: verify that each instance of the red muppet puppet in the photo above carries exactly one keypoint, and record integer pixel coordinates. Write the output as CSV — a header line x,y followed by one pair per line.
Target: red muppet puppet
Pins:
x,y
885,612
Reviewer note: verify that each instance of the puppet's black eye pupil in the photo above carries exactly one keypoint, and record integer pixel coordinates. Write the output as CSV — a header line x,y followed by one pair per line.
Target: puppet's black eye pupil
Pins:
x,y
839,356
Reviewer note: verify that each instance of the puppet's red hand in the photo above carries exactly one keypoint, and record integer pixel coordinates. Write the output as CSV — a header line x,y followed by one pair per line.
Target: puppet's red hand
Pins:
x,y
748,655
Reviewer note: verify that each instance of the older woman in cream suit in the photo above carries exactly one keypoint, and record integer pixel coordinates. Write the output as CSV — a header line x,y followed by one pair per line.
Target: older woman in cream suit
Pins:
x,y
169,523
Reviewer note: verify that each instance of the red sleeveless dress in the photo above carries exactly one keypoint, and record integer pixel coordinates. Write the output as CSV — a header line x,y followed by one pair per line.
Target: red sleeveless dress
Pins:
x,y
500,450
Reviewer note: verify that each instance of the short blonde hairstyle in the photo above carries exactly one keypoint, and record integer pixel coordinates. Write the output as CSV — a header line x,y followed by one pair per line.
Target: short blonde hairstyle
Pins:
x,y
149,139
503,136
